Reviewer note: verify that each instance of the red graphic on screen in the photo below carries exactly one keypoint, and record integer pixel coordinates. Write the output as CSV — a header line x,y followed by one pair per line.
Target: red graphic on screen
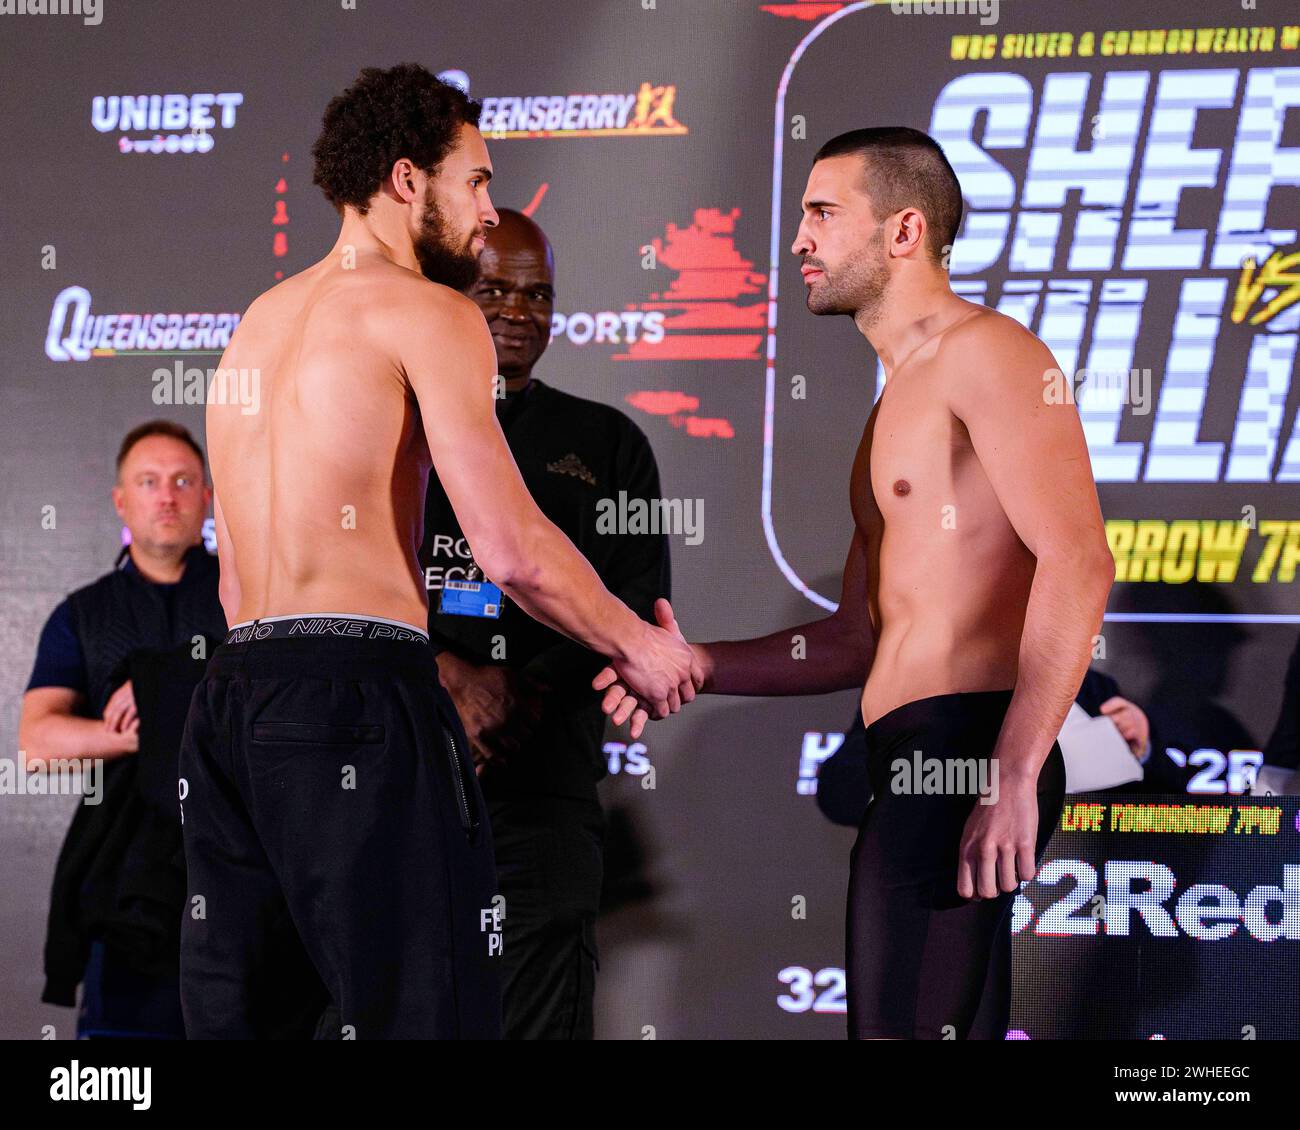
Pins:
x,y
663,403
531,207
700,305
802,9
280,241
679,409
702,427
709,273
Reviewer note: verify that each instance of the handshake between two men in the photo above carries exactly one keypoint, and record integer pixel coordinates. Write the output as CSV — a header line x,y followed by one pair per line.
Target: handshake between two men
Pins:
x,y
503,707
657,680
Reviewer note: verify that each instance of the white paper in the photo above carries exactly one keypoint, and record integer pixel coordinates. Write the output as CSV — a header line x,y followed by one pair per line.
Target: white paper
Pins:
x,y
1275,780
1096,755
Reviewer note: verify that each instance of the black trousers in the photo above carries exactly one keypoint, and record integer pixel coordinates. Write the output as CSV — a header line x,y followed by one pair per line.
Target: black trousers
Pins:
x,y
549,870
924,963
329,809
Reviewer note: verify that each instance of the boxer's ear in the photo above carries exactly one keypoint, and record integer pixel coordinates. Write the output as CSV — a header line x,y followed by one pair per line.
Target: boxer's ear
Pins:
x,y
909,235
402,180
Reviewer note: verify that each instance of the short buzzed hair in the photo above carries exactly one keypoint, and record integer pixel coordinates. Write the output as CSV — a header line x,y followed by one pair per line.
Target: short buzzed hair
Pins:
x,y
159,428
906,169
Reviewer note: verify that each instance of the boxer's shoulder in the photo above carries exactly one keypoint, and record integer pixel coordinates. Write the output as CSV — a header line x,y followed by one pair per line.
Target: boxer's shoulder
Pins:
x,y
976,334
397,296
988,355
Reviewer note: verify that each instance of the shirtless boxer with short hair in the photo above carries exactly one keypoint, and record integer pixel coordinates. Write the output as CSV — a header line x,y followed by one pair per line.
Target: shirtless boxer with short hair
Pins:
x,y
326,781
976,580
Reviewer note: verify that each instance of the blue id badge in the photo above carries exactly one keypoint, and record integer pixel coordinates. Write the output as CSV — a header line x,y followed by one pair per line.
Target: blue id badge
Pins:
x,y
470,598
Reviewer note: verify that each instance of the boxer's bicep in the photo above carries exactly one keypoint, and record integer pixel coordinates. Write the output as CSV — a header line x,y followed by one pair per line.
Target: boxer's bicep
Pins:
x,y
1029,441
449,362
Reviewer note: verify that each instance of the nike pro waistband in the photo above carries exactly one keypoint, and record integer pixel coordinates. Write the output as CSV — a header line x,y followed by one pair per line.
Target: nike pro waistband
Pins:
x,y
325,624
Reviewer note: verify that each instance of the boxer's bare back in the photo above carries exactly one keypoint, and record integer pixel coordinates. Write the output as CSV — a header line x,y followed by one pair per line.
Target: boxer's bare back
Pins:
x,y
321,491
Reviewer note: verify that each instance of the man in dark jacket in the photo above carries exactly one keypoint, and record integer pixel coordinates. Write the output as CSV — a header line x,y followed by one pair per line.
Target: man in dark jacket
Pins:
x,y
115,666
523,691
1283,748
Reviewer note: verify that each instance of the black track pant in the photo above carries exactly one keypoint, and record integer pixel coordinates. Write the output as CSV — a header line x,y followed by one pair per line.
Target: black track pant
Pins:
x,y
924,963
327,796
549,871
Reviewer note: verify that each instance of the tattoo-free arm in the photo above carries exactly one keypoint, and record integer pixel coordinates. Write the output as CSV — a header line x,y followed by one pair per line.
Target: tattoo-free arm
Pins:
x,y
446,354
831,654
1032,448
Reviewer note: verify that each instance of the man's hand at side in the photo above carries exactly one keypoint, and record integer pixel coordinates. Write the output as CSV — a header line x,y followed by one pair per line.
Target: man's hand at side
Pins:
x,y
498,706
999,841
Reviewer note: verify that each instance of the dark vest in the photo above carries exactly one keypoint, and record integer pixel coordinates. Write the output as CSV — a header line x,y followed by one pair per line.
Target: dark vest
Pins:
x,y
123,612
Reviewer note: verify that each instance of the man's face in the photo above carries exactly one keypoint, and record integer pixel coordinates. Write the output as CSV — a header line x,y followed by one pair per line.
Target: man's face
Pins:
x,y
515,290
457,213
845,265
160,494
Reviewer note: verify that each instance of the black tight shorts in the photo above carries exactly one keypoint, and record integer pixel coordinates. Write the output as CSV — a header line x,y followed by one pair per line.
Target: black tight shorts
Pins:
x,y
924,963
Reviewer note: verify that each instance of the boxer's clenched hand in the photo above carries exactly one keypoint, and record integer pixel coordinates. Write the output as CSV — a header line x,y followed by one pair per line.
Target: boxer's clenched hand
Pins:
x,y
623,699
999,841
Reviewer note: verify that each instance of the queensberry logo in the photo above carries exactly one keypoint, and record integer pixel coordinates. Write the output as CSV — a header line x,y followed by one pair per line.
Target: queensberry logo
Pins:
x,y
648,110
174,123
75,334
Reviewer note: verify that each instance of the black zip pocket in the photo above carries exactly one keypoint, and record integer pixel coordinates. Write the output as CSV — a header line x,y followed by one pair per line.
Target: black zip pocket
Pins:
x,y
467,821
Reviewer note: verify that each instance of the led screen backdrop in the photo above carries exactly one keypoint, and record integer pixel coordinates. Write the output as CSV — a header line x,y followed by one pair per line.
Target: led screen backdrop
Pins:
x,y
1187,910
1132,179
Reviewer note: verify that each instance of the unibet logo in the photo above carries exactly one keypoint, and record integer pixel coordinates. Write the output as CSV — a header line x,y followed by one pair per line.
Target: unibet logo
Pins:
x,y
175,123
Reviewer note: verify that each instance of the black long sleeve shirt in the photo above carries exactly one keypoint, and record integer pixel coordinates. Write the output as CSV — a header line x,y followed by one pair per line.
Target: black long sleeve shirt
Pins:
x,y
571,453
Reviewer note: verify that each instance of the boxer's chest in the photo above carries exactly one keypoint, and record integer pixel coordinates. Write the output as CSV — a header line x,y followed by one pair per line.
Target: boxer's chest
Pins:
x,y
919,449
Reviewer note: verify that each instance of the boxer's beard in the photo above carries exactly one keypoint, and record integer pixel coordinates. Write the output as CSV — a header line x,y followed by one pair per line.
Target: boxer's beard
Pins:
x,y
441,260
858,288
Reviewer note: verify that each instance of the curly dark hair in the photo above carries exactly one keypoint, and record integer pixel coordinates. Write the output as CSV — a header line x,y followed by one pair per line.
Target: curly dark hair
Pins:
x,y
404,111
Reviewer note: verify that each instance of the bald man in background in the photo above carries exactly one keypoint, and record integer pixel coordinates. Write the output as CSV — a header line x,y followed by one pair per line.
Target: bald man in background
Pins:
x,y
522,690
